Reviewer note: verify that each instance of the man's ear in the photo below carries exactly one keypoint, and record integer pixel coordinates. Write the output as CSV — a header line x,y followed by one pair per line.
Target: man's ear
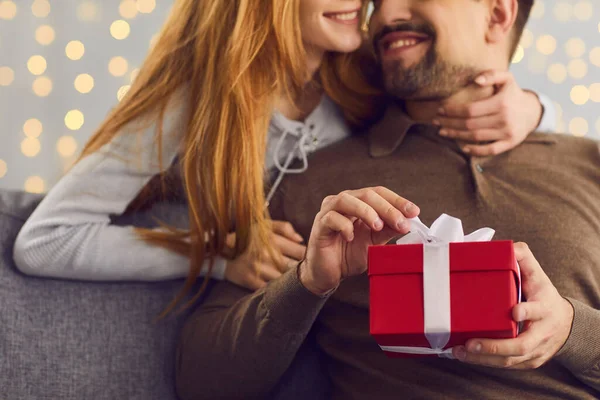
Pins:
x,y
503,14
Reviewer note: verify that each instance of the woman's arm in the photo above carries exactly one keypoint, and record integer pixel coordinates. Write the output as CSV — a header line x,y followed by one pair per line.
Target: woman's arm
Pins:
x,y
70,234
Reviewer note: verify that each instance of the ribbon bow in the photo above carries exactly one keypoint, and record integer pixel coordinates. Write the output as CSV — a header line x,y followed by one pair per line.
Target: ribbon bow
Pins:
x,y
436,278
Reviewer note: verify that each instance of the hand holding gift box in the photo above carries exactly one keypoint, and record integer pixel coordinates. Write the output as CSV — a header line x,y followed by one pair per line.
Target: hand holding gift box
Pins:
x,y
437,288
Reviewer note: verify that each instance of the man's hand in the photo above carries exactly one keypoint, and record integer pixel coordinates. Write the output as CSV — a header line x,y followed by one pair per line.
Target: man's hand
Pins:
x,y
548,323
345,227
501,122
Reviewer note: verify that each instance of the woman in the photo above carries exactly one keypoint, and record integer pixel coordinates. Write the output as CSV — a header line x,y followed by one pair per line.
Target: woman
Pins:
x,y
231,87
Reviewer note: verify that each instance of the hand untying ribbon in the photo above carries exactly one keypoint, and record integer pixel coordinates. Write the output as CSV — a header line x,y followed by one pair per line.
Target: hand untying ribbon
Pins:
x,y
436,279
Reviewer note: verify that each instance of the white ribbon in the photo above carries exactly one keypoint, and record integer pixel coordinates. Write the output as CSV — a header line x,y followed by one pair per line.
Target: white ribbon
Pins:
x,y
436,279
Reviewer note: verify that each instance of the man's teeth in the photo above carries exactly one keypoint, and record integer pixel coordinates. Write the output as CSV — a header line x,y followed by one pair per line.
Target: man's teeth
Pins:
x,y
403,43
346,16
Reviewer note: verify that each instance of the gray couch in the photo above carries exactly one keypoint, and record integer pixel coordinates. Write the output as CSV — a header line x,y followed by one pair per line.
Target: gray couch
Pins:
x,y
98,341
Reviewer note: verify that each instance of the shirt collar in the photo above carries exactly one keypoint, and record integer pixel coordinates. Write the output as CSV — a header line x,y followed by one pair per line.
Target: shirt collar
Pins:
x,y
387,134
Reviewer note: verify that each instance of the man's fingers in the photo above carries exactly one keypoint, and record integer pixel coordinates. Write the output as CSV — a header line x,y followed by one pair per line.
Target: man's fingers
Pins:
x,y
347,203
407,208
375,207
529,311
288,247
392,215
492,121
521,346
530,268
494,77
286,229
334,222
492,149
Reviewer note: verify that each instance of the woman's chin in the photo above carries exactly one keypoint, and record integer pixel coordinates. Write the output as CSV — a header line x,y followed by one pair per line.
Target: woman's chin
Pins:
x,y
346,45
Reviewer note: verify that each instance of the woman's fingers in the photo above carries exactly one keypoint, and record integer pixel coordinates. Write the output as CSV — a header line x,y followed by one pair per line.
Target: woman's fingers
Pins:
x,y
286,229
288,247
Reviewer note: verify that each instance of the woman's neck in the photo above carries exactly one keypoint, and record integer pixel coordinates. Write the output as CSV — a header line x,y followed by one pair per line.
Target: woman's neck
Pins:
x,y
299,108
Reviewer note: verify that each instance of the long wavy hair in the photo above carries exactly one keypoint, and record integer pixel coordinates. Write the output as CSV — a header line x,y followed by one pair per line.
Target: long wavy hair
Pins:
x,y
234,57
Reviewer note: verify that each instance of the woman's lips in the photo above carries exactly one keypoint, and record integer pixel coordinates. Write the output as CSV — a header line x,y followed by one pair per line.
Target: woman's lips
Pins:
x,y
344,17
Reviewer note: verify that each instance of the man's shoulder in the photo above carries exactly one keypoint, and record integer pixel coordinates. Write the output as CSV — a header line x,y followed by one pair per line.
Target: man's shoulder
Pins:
x,y
569,145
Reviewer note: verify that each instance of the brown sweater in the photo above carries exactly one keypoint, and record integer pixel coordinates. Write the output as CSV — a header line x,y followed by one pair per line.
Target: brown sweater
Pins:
x,y
546,192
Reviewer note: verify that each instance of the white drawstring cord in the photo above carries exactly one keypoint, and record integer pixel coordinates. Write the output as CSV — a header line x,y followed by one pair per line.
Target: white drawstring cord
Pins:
x,y
284,169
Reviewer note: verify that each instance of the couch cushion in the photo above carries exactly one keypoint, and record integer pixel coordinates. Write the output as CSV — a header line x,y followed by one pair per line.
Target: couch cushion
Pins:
x,y
82,340
74,340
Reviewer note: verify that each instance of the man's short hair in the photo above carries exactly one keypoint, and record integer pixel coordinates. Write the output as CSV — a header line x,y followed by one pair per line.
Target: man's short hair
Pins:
x,y
525,7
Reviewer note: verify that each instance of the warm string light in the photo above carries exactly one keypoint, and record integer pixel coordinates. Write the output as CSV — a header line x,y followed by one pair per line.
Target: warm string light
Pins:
x,y
3,169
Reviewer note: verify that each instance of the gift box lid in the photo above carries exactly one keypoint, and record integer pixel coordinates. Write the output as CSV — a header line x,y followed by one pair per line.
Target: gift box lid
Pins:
x,y
464,257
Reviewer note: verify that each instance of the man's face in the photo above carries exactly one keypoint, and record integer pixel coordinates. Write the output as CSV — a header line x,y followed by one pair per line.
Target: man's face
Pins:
x,y
429,49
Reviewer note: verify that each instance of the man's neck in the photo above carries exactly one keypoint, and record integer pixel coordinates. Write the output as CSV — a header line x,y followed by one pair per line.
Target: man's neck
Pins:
x,y
427,111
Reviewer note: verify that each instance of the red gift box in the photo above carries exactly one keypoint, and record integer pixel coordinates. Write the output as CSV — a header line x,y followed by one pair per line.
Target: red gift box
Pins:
x,y
484,288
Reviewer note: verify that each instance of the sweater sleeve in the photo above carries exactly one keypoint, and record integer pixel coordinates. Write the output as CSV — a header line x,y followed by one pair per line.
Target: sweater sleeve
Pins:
x,y
246,338
581,352
548,123
70,234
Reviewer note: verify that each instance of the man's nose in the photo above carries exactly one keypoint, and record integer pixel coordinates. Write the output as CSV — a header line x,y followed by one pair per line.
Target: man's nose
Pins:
x,y
389,12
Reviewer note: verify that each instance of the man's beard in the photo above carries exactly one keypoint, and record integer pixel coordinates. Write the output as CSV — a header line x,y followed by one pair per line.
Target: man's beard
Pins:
x,y
430,79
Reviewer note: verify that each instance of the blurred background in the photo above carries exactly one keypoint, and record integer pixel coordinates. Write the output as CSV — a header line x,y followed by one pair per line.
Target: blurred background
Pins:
x,y
65,63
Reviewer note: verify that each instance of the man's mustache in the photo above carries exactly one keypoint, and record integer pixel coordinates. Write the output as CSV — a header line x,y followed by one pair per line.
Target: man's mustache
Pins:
x,y
403,27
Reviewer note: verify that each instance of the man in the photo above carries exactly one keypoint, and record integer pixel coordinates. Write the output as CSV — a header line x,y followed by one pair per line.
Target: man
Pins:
x,y
545,192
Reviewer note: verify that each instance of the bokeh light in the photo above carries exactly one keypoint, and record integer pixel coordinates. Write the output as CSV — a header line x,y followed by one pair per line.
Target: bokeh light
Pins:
x,y
40,8
583,10
538,10
546,44
146,6
118,66
42,86
8,9
575,47
128,9
519,54
7,76
35,184
66,146
3,168
526,39
557,73
595,92
120,29
84,83
75,50
122,92
577,69
74,120
134,73
87,11
33,128
595,56
579,126
37,65
580,95
30,147
45,35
